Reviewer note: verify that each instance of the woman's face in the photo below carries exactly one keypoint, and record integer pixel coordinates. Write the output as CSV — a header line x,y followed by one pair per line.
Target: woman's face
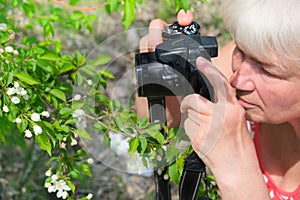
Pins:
x,y
268,90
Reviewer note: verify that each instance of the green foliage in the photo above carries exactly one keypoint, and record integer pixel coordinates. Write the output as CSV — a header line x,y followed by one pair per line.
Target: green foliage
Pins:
x,y
41,102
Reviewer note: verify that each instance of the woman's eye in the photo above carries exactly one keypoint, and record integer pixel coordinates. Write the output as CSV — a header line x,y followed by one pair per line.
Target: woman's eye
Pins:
x,y
266,72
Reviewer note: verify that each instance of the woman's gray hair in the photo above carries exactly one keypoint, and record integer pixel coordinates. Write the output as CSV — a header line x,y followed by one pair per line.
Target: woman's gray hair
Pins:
x,y
261,26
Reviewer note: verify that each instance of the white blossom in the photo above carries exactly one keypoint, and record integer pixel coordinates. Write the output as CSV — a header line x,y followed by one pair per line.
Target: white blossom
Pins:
x,y
16,53
73,142
35,117
61,187
89,82
12,36
15,100
1,50
90,161
16,84
18,120
89,196
28,133
11,91
63,145
48,173
78,113
45,114
5,109
3,27
9,49
77,97
62,194
37,129
26,97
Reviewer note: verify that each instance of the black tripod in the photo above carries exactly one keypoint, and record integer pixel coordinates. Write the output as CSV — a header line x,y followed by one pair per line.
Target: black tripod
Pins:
x,y
194,168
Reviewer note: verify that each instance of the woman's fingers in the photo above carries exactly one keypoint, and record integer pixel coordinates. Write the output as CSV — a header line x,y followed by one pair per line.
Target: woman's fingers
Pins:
x,y
185,18
154,35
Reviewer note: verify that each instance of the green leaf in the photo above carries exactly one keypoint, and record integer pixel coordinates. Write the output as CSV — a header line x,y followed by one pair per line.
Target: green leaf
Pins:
x,y
144,143
44,65
66,67
26,78
129,13
83,134
65,112
118,123
58,94
101,60
44,142
86,170
185,4
71,185
50,56
74,2
142,122
27,9
133,144
153,130
113,4
174,173
105,72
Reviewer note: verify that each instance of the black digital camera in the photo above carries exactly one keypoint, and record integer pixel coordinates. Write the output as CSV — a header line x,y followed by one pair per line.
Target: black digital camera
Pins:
x,y
171,69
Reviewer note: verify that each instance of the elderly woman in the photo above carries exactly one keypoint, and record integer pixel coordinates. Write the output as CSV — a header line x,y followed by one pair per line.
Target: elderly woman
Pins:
x,y
261,95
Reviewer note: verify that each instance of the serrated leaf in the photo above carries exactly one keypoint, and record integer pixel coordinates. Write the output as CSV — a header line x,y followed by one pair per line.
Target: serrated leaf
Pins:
x,y
174,173
129,13
44,142
133,144
26,78
50,56
101,60
144,143
71,185
64,112
66,67
74,2
185,4
113,4
105,72
83,134
86,170
142,122
58,94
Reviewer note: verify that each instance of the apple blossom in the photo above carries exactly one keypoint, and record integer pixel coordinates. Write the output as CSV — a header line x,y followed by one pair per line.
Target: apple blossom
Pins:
x,y
5,109
18,120
28,133
15,100
45,114
9,49
35,117
11,91
37,129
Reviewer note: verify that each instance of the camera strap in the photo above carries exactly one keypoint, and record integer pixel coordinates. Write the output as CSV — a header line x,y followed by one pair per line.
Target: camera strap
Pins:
x,y
194,170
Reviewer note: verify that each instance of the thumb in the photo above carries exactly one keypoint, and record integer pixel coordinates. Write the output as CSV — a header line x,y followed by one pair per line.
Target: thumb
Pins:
x,y
217,80
185,18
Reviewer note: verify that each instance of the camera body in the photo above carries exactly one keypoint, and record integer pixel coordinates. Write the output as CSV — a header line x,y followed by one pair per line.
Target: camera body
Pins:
x,y
171,70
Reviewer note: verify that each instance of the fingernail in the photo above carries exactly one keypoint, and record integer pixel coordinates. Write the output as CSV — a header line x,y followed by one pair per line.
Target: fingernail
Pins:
x,y
201,60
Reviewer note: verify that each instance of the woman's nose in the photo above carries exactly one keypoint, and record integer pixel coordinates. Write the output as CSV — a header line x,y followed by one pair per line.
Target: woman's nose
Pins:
x,y
241,78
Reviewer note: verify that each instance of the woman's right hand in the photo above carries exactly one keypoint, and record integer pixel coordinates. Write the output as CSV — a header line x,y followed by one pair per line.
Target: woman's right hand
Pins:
x,y
153,38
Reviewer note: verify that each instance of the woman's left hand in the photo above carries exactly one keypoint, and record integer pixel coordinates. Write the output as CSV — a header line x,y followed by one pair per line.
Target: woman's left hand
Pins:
x,y
218,131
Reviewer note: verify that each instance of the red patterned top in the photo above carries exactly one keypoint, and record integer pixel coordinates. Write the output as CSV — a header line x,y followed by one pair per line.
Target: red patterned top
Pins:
x,y
275,192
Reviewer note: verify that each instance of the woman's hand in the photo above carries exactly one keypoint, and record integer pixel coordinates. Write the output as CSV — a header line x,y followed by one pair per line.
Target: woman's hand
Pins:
x,y
148,44
219,135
